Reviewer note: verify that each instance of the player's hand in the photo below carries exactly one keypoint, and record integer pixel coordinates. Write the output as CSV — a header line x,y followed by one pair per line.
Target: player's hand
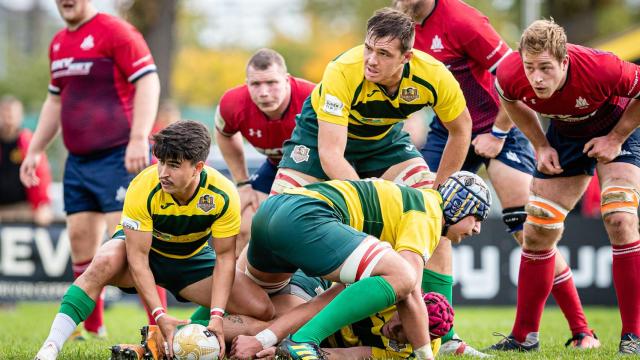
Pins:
x,y
603,148
487,145
548,161
268,353
136,158
248,197
215,326
28,170
167,325
245,347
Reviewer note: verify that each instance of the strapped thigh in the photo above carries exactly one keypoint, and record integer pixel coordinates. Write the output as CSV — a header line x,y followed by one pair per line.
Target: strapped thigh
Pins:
x,y
545,213
286,179
363,259
417,176
270,288
619,199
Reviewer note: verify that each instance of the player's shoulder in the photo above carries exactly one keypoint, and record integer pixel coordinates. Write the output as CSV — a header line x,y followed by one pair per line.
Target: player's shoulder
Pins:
x,y
301,85
145,183
465,14
427,67
351,57
113,23
218,183
510,67
593,60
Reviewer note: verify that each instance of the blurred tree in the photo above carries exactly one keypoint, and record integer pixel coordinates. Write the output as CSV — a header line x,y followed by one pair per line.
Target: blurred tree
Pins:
x,y
156,20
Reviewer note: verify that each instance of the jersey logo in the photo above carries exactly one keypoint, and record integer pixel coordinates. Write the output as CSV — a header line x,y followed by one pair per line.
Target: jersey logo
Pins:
x,y
130,223
256,133
164,206
206,203
581,103
332,105
121,193
56,47
409,94
87,43
436,44
300,153
372,92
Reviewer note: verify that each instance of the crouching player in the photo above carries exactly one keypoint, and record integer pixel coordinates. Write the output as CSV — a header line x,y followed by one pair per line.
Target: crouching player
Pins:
x,y
373,234
171,211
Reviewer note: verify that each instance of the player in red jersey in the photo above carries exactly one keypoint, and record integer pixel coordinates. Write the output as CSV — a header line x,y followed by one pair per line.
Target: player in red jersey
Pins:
x,y
463,39
590,98
103,93
263,111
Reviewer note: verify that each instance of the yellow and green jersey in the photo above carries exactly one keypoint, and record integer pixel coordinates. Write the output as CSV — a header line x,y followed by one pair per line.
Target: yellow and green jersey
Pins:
x,y
181,231
346,98
406,218
368,332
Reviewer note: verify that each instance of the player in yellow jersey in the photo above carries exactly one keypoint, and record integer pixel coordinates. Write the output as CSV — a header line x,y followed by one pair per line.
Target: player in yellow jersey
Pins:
x,y
372,234
171,212
351,125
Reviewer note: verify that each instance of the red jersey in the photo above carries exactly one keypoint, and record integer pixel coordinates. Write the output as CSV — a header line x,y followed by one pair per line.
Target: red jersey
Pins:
x,y
237,112
591,101
463,39
93,69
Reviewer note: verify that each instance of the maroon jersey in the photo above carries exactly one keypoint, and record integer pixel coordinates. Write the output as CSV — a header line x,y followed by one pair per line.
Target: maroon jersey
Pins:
x,y
591,101
463,39
93,69
237,112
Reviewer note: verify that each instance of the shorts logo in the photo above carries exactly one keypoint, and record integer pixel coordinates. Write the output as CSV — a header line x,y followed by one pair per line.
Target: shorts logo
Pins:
x,y
513,157
206,203
409,94
130,223
300,153
121,193
333,105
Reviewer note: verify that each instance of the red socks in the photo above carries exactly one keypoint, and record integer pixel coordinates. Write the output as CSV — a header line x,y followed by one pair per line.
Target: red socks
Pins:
x,y
566,295
535,280
626,279
96,320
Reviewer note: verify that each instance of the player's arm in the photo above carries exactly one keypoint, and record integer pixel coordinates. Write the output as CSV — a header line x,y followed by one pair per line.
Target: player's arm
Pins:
x,y
332,142
608,147
232,150
455,151
223,275
48,126
489,145
145,108
412,310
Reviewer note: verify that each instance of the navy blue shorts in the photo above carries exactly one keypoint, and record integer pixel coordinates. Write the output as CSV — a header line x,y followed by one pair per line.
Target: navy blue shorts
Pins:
x,y
574,162
96,182
516,153
263,178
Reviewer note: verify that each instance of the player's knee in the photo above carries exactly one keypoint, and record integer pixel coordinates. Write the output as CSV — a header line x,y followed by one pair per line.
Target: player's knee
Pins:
x,y
404,282
362,261
618,199
545,214
417,176
286,179
514,218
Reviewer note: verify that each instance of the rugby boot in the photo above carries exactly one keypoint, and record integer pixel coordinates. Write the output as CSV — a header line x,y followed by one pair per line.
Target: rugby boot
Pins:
x,y
127,352
291,350
583,341
48,351
509,343
629,344
153,342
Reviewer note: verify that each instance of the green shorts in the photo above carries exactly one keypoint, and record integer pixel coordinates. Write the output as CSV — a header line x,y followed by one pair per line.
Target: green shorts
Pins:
x,y
291,232
304,286
176,274
369,158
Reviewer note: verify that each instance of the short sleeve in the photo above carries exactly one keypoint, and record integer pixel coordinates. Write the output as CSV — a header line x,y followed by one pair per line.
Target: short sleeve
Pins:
x,y
334,102
228,222
503,77
130,52
482,43
54,84
629,81
450,102
412,233
135,213
224,119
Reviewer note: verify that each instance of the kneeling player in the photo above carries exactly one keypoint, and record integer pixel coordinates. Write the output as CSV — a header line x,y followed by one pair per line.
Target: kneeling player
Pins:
x,y
171,211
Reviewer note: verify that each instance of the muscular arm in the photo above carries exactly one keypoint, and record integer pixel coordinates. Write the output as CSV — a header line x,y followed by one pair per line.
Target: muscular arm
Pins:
x,y
224,271
455,151
629,121
145,108
412,310
138,244
48,124
527,121
332,142
233,154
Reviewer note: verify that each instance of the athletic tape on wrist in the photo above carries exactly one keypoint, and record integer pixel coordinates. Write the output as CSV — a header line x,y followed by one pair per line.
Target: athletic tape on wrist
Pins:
x,y
267,338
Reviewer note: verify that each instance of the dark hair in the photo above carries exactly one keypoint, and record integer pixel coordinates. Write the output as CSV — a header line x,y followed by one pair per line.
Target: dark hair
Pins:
x,y
182,140
388,22
264,58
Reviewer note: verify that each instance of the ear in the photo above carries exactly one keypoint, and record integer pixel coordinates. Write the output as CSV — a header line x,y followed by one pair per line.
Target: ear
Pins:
x,y
407,56
199,166
565,63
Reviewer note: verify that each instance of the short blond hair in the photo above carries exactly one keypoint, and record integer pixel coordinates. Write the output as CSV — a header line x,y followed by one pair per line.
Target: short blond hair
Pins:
x,y
544,35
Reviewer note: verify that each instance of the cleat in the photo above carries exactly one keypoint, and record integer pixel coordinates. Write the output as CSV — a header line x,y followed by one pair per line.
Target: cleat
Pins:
x,y
48,351
80,334
457,346
291,350
629,344
127,352
153,342
583,341
509,343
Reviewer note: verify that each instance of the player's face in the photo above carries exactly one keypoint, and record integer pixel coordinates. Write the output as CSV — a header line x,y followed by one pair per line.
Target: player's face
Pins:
x,y
383,60
73,12
177,177
545,73
269,89
416,9
10,118
393,330
468,226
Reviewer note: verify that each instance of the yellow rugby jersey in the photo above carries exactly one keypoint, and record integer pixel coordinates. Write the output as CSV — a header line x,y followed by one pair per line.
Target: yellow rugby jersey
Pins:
x,y
346,98
181,231
368,332
406,218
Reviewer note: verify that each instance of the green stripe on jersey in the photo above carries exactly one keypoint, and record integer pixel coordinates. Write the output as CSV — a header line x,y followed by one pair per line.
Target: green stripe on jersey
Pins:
x,y
426,84
336,197
412,199
150,197
371,210
383,109
179,225
178,248
224,196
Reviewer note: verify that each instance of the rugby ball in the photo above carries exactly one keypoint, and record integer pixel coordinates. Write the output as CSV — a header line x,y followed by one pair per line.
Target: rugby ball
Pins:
x,y
195,342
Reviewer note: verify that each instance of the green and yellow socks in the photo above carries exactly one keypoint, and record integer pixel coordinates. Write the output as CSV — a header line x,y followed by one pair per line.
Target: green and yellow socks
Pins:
x,y
442,284
75,307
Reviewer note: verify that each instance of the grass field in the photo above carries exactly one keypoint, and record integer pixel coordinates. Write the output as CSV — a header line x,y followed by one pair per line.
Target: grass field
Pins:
x,y
23,328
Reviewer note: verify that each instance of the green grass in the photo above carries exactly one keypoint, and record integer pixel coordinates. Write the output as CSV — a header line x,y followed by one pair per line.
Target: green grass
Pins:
x,y
23,328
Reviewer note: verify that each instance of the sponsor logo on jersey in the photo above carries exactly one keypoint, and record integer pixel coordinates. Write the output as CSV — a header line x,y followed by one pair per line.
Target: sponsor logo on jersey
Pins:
x,y
121,193
300,153
581,103
66,68
409,94
87,43
130,223
436,44
206,203
256,133
332,105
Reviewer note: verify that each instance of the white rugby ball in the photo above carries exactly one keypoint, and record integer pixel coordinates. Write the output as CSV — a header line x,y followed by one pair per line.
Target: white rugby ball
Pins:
x,y
195,342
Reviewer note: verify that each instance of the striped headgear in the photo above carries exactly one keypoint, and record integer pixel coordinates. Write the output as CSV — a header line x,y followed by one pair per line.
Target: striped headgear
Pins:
x,y
464,194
